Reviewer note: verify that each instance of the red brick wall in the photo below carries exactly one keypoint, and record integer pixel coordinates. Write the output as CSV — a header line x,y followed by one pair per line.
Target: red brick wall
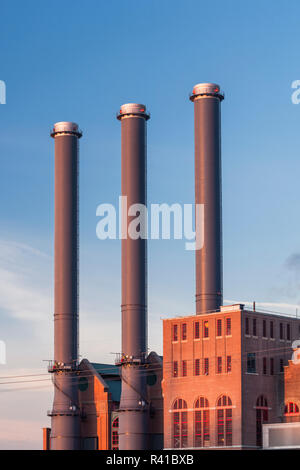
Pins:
x,y
241,386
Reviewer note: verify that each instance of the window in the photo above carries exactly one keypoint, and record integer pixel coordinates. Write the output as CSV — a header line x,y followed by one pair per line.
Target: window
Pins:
x,y
228,364
206,366
224,421
281,365
247,328
175,369
264,328
183,331
180,424
219,327
281,331
201,423
288,332
197,330
219,365
228,326
291,408
175,332
184,369
264,365
115,434
254,327
271,329
205,329
261,417
197,366
272,366
251,363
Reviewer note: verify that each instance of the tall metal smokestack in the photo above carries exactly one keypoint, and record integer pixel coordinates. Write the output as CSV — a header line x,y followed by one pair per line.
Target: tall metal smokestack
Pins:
x,y
207,98
133,417
65,423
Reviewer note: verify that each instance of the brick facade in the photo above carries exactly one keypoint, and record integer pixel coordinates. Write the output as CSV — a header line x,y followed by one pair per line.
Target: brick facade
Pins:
x,y
232,362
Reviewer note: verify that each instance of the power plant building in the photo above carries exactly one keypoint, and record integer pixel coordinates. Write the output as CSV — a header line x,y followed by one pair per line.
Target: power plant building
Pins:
x,y
224,377
226,372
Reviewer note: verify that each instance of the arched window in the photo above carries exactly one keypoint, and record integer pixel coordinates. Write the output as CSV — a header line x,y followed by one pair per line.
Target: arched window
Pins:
x,y
180,424
115,434
262,416
201,423
224,421
291,408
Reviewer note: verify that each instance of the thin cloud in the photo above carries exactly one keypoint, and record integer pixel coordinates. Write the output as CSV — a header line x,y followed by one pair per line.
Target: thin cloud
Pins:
x,y
22,294
276,307
293,262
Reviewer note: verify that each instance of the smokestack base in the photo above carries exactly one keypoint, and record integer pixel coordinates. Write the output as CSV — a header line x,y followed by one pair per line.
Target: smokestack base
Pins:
x,y
206,89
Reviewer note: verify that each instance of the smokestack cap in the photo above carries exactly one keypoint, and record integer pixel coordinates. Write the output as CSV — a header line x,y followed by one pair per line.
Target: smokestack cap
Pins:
x,y
133,109
206,89
65,127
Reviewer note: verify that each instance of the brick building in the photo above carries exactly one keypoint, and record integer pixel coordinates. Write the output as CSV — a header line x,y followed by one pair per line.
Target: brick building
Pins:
x,y
285,434
223,376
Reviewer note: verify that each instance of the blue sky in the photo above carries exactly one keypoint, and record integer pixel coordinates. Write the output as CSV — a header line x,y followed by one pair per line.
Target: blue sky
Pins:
x,y
80,61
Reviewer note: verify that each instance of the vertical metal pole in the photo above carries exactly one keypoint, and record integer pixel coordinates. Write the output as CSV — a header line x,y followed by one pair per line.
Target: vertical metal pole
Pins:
x,y
133,417
207,98
65,423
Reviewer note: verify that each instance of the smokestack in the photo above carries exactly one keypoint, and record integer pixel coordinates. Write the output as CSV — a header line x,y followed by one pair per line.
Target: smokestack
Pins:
x,y
207,98
65,422
133,417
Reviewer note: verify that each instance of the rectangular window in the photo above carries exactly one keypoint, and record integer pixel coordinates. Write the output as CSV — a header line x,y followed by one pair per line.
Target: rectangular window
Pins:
x,y
281,365
288,332
176,430
281,330
197,366
264,365
184,429
115,440
254,327
264,328
219,365
219,327
251,363
247,329
271,329
184,369
197,330
228,364
206,366
272,366
183,332
198,429
228,326
228,426
220,425
175,332
175,369
205,329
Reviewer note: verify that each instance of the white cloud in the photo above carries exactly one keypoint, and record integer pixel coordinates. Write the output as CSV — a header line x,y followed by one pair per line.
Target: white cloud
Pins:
x,y
22,293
